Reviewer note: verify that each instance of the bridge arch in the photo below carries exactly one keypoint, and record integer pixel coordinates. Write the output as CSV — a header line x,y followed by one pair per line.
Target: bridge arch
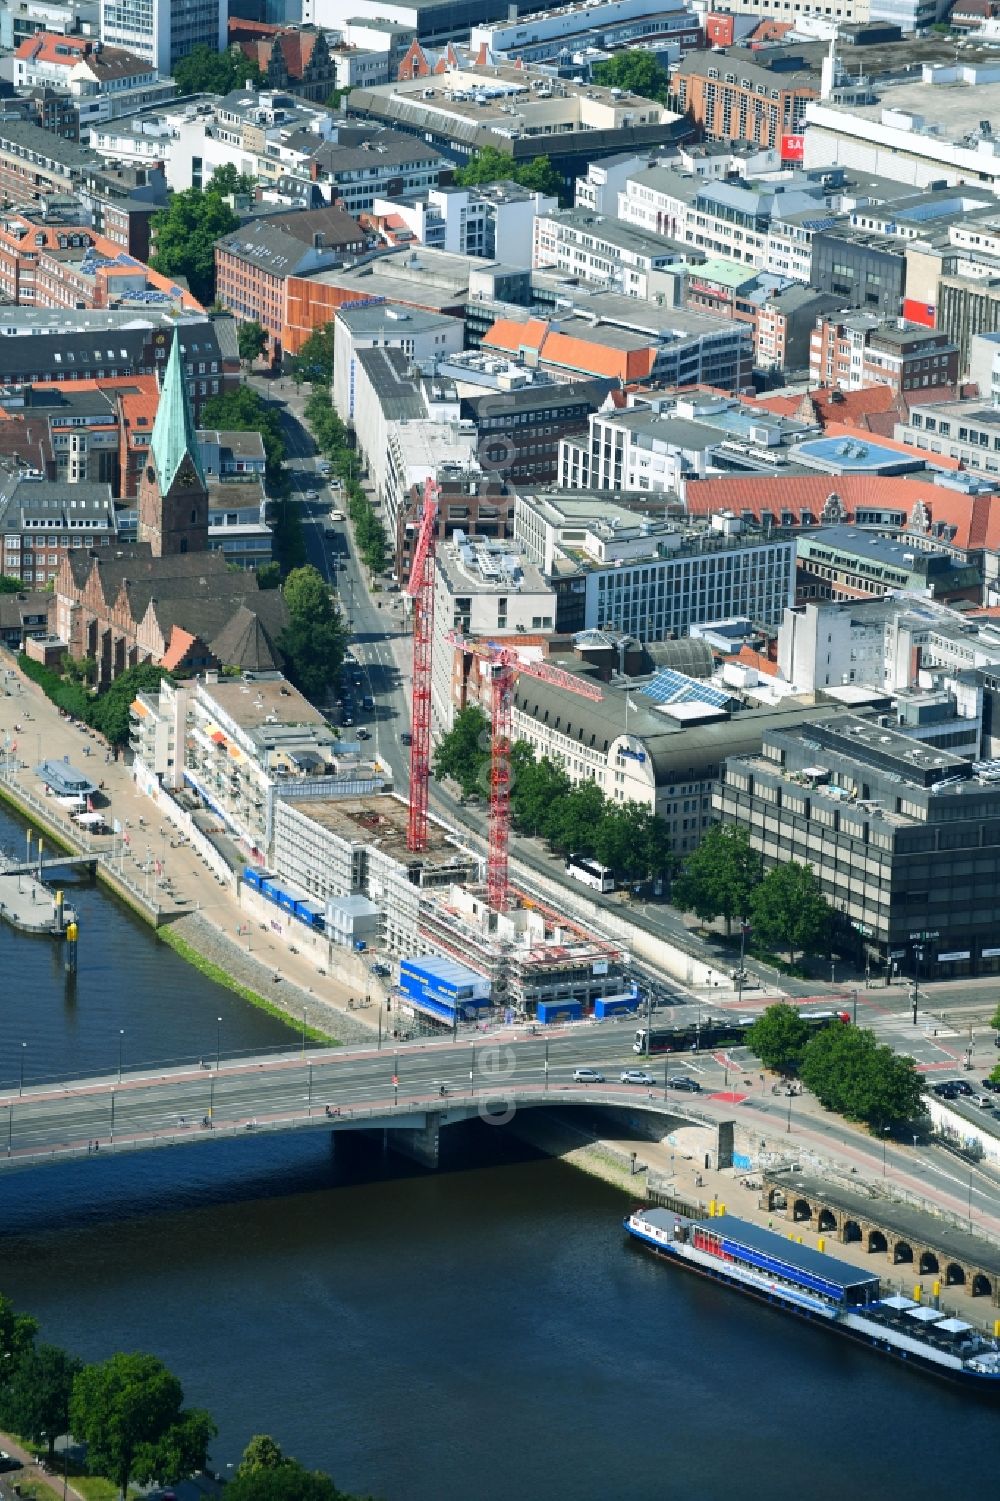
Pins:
x,y
877,1242
902,1251
827,1221
851,1231
929,1264
982,1287
954,1275
802,1210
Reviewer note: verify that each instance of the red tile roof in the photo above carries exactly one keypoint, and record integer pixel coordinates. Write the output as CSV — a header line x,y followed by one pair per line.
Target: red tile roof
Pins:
x,y
974,518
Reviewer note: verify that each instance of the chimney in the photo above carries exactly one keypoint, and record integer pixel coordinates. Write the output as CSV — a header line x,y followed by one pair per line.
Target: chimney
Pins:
x,y
319,240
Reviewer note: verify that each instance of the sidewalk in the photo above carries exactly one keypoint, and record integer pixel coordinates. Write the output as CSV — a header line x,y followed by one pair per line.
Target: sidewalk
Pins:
x,y
212,927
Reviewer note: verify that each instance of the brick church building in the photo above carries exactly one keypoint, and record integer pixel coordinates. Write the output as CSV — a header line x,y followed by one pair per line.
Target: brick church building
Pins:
x,y
168,598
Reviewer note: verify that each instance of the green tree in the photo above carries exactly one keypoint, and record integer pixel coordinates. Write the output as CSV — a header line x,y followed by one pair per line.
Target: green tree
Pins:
x,y
849,1071
17,1338
252,341
314,641
463,754
778,1037
128,1412
314,360
995,1020
269,576
369,533
637,72
266,1474
789,910
535,787
574,820
9,585
185,234
226,179
491,165
719,877
36,1402
632,842
109,712
205,71
245,411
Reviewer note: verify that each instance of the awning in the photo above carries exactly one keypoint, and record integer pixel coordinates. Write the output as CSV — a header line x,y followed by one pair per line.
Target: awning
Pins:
x,y
138,707
234,751
897,1301
951,1326
925,1315
218,737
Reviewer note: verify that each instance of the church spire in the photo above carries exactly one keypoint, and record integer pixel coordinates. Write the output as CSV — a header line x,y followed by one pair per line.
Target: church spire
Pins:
x,y
173,429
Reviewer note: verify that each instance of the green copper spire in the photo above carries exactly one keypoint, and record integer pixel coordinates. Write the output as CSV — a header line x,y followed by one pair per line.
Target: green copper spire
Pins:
x,y
173,430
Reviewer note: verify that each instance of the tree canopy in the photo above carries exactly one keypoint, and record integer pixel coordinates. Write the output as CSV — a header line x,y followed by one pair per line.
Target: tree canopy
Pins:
x,y
314,360
849,1071
491,165
464,753
636,71
719,877
36,1401
778,1037
205,71
128,1412
185,234
789,909
244,410
314,641
266,1474
252,341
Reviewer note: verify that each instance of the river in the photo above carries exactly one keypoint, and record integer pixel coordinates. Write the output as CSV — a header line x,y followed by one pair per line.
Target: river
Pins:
x,y
481,1333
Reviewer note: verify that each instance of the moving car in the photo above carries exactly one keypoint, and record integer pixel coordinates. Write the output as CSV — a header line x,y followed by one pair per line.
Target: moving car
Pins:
x,y
406,738
681,1081
587,1076
636,1076
8,1462
364,734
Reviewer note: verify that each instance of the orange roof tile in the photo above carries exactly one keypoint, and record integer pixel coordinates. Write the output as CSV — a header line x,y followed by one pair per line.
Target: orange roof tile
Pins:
x,y
180,644
751,658
975,518
508,334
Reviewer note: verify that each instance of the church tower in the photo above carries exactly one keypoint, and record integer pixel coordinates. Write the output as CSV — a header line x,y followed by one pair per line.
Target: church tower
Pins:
x,y
173,495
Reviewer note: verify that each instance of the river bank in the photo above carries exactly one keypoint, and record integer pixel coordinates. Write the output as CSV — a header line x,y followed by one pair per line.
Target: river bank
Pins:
x,y
201,918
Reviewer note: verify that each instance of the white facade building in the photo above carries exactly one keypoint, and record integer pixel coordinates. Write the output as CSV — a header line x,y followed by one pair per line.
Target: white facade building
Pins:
x,y
485,590
165,32
419,334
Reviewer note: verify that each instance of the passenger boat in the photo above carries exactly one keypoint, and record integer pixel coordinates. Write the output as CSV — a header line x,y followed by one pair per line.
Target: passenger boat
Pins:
x,y
822,1288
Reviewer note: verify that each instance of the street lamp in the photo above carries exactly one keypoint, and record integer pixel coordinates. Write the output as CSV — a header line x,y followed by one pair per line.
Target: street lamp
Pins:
x,y
20,1082
218,1042
788,1123
855,1016
303,1031
918,955
885,1138
121,1052
744,930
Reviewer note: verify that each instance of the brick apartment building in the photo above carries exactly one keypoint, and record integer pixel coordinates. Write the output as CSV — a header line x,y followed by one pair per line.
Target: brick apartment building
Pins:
x,y
736,95
255,264
854,350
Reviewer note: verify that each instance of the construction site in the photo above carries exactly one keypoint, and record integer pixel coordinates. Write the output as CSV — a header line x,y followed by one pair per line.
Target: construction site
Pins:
x,y
384,876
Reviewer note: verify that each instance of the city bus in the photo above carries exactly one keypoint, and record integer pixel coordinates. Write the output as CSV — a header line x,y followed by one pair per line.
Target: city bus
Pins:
x,y
590,873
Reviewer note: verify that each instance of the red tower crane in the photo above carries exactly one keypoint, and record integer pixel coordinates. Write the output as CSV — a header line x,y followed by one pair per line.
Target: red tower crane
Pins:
x,y
420,588
503,665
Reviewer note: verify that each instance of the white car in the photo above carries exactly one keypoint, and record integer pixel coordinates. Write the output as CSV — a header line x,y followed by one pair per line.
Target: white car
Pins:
x,y
636,1076
587,1076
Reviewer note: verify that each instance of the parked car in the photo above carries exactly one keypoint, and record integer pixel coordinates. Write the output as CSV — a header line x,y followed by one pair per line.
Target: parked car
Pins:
x,y
8,1462
364,734
636,1076
406,738
681,1081
381,969
587,1076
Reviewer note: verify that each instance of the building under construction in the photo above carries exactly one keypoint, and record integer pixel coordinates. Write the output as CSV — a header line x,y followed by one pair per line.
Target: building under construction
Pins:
x,y
435,902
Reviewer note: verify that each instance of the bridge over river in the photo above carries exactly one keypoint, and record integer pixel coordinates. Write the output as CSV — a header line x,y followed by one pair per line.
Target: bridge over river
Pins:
x,y
395,1089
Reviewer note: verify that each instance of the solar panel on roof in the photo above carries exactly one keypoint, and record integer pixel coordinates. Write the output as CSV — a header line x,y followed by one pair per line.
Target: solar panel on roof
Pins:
x,y
671,687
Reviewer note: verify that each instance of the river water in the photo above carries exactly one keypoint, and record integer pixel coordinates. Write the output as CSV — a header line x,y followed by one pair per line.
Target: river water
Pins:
x,y
483,1332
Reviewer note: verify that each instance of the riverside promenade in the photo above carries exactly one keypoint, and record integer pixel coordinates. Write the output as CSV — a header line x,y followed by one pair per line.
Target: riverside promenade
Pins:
x,y
199,908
